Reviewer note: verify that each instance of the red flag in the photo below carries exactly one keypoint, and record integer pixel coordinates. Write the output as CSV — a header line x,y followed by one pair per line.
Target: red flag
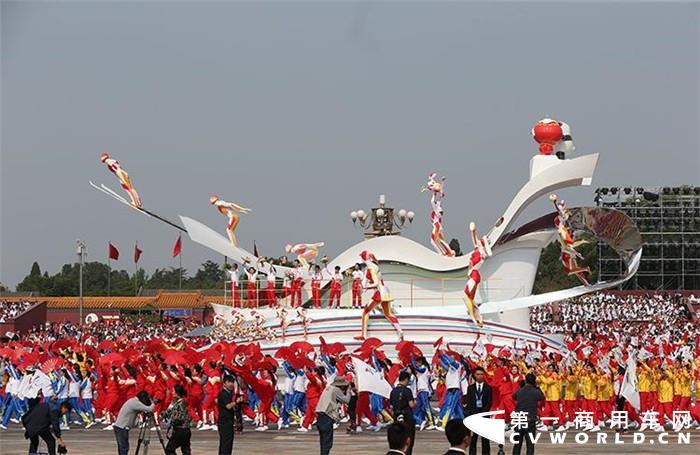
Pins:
x,y
177,249
137,253
255,249
113,252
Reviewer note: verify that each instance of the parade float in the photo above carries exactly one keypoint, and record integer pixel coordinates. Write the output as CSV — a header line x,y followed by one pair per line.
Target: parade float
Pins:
x,y
411,291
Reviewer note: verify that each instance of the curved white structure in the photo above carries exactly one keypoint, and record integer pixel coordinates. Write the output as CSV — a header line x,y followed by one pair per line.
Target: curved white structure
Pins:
x,y
418,276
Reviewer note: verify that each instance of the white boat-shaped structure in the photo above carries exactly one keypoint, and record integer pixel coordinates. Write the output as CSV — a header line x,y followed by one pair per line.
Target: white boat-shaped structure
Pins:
x,y
428,287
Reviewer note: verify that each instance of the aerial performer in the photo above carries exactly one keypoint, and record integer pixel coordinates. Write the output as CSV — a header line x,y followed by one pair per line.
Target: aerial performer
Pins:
x,y
231,210
380,298
437,235
554,137
481,251
114,166
305,251
568,245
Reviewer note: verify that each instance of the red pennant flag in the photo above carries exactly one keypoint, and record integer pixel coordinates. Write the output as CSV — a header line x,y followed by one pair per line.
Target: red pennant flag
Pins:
x,y
177,249
113,252
137,253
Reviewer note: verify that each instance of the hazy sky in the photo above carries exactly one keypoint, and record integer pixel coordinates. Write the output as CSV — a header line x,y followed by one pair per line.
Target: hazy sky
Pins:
x,y
304,111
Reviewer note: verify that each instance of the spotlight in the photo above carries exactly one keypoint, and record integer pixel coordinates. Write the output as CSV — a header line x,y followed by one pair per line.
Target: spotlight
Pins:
x,y
604,191
613,191
628,190
640,190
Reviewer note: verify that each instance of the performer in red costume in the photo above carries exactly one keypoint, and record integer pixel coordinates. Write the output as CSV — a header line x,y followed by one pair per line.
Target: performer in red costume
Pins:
x,y
568,245
356,286
316,278
336,287
482,250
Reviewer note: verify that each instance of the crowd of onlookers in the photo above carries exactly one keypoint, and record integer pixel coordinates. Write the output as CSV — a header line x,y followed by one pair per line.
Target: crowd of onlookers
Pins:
x,y
133,328
10,310
610,313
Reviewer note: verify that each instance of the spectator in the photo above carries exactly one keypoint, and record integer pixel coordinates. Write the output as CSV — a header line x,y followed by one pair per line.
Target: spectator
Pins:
x,y
527,400
479,398
458,436
399,436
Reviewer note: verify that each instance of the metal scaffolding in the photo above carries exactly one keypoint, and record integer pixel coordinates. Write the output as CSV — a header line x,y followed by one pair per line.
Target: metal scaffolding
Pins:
x,y
669,221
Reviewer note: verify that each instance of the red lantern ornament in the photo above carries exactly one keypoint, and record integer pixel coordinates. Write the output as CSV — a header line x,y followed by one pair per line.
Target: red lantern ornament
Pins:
x,y
547,133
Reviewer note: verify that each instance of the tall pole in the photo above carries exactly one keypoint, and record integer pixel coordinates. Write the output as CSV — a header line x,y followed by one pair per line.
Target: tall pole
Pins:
x,y
109,278
82,249
179,284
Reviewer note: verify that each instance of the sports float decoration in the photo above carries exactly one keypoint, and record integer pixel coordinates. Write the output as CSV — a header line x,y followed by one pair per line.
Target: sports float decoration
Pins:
x,y
569,255
437,234
231,210
501,294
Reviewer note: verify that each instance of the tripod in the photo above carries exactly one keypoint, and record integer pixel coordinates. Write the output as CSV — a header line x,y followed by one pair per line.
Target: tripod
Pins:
x,y
145,434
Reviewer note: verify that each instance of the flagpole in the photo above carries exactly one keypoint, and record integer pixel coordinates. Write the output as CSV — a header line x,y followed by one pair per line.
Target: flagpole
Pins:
x,y
136,272
109,278
179,285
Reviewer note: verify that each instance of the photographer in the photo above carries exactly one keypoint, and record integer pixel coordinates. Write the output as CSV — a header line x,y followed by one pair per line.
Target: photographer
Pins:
x,y
402,402
179,420
327,410
126,418
228,400
40,420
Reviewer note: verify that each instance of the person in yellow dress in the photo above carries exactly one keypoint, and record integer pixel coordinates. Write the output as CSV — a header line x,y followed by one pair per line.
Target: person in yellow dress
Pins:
x,y
589,389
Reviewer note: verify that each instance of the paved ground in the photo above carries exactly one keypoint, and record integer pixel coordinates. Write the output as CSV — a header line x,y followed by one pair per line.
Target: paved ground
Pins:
x,y
98,442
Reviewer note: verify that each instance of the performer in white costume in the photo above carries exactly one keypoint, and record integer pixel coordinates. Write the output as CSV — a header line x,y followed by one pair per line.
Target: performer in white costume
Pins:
x,y
231,211
437,235
114,166
380,298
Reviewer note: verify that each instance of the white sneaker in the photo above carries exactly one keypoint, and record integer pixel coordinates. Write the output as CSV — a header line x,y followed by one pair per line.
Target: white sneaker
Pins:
x,y
204,427
542,428
422,425
14,420
345,419
64,427
358,429
262,428
595,429
3,427
214,427
336,426
108,427
89,425
440,428
560,428
659,429
302,429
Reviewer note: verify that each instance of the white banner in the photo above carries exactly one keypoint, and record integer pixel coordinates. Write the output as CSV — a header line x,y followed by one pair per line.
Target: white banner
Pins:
x,y
369,379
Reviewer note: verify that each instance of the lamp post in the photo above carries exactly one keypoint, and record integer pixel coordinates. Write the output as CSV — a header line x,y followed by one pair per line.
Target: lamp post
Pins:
x,y
382,220
82,251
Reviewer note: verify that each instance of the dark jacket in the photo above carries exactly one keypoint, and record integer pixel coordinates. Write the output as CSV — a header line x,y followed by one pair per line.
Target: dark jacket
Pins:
x,y
40,418
526,399
470,399
454,452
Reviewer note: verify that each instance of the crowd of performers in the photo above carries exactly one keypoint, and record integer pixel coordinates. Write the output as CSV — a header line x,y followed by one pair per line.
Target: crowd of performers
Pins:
x,y
98,370
264,285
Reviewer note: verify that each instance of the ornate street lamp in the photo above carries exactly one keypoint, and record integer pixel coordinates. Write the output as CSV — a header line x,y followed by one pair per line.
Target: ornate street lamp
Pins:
x,y
382,220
